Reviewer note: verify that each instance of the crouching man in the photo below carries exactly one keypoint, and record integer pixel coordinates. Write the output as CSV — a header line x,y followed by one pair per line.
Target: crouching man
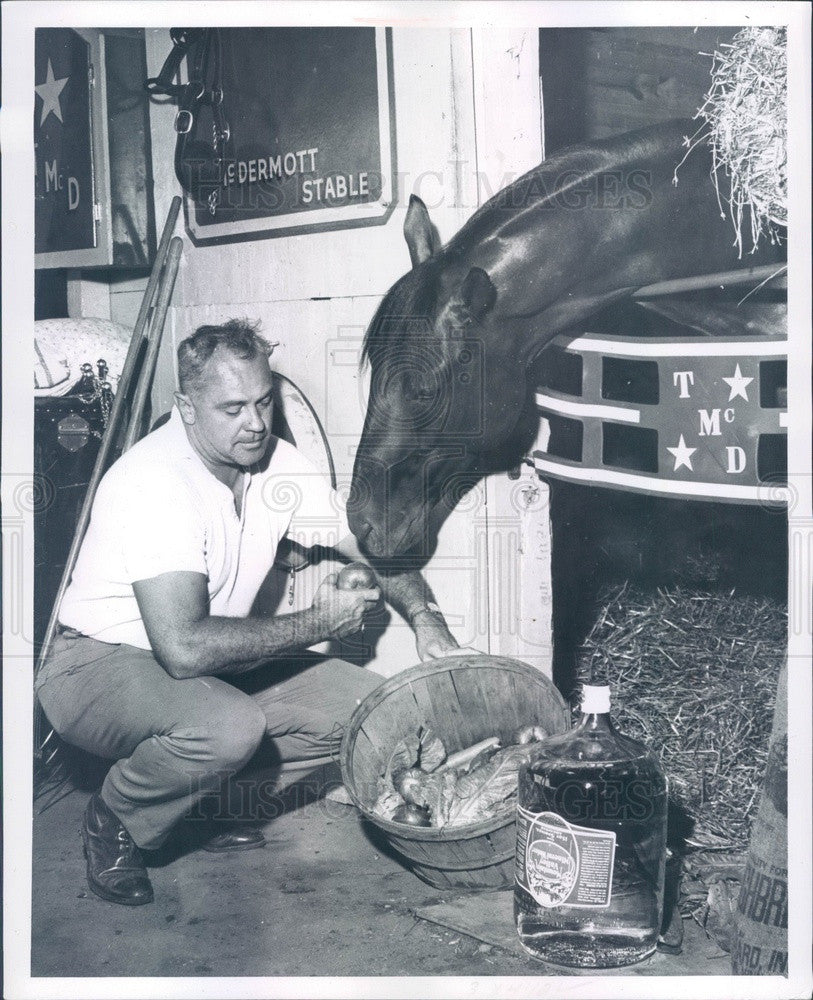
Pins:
x,y
157,664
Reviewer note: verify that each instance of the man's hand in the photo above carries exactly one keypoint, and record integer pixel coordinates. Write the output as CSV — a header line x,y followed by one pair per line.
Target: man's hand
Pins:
x,y
433,648
342,611
432,637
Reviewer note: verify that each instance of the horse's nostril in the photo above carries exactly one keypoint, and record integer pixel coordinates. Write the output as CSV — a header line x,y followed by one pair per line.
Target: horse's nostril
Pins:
x,y
360,527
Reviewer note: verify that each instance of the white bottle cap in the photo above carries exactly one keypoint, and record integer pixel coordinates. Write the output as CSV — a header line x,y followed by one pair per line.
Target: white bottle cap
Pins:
x,y
595,699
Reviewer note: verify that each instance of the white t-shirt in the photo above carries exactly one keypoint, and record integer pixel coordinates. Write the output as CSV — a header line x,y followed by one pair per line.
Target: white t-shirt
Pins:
x,y
158,509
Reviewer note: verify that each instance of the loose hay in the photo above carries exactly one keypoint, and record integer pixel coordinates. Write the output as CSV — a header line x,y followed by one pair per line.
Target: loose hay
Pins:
x,y
745,123
694,676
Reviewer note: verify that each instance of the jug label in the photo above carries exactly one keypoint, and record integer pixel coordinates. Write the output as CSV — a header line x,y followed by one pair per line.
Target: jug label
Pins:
x,y
561,864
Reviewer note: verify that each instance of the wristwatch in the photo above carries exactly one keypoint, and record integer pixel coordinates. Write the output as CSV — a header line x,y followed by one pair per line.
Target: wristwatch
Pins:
x,y
430,607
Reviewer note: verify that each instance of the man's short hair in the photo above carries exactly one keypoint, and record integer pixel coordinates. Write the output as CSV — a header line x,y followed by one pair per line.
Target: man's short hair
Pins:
x,y
238,336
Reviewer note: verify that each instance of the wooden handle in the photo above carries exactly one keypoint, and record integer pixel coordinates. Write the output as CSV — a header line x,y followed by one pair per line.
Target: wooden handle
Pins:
x,y
159,316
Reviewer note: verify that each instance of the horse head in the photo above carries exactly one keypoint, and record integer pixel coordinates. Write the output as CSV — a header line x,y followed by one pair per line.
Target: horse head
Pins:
x,y
433,419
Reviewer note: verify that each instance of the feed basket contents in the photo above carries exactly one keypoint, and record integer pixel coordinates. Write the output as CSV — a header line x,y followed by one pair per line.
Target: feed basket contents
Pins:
x,y
423,786
430,758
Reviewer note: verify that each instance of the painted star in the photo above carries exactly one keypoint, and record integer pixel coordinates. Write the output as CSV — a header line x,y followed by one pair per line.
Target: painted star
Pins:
x,y
682,455
738,384
49,92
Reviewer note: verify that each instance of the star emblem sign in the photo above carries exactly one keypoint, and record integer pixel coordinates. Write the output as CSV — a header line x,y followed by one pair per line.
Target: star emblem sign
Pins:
x,y
738,384
682,455
49,92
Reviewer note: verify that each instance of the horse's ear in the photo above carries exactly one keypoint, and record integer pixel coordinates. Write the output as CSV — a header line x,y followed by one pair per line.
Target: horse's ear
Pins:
x,y
418,231
478,293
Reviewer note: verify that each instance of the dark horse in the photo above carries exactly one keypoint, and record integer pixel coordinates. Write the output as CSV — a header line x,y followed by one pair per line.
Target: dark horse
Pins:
x,y
450,345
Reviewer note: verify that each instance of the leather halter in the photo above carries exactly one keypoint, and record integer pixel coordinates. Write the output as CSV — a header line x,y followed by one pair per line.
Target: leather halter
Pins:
x,y
203,51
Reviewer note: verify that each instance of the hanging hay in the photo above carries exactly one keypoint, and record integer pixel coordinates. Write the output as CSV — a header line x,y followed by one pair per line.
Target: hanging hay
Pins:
x,y
694,677
745,123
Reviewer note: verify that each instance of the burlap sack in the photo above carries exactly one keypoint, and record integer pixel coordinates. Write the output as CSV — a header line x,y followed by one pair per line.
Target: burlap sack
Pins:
x,y
761,921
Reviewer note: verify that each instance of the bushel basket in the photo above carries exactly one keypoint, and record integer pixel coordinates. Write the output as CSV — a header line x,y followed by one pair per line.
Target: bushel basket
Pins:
x,y
463,699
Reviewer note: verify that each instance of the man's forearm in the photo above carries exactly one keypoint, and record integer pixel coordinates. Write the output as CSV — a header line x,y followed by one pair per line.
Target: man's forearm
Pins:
x,y
409,593
412,597
224,646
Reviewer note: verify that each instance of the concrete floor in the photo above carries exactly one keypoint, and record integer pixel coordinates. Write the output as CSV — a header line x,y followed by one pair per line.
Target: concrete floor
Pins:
x,y
321,899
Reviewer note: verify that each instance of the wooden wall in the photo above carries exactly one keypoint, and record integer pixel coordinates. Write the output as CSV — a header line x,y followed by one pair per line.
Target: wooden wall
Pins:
x,y
601,81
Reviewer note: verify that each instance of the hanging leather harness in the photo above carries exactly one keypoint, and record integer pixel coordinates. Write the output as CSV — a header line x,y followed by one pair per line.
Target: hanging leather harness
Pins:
x,y
199,159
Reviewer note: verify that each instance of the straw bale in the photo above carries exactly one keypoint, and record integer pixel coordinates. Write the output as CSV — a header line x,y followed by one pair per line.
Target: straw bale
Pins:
x,y
694,676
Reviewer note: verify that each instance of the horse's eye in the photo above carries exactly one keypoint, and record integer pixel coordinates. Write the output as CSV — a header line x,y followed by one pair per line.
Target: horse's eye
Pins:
x,y
419,389
421,394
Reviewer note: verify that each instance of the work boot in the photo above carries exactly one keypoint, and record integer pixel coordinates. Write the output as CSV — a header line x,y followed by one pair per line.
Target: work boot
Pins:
x,y
115,868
